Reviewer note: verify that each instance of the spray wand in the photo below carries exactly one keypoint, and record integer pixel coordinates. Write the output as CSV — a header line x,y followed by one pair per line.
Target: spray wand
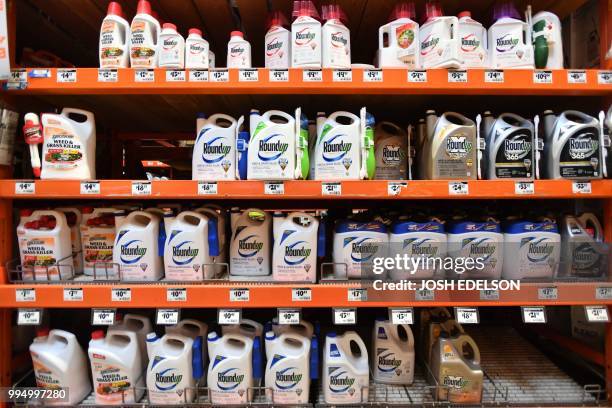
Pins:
x,y
32,132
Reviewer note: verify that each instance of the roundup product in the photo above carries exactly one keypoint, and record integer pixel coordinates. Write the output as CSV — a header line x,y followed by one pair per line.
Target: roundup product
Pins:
x,y
294,256
531,249
473,42
251,244
510,147
345,369
98,238
398,40
572,146
391,150
114,37
392,353
336,38
138,249
116,367
303,328
220,266
356,244
277,42
74,220
482,241
192,328
141,325
547,41
59,362
238,51
196,50
584,253
69,145
509,39
144,37
247,327
171,48
449,147
305,36
439,39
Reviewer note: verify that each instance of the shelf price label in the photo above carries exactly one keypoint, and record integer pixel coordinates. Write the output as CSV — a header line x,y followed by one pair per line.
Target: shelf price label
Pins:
x,y
424,295
312,75
278,75
121,295
239,295
372,75
495,76
533,314
345,316
208,188
542,77
29,317
417,76
176,295
459,76
108,75
248,75
394,188
18,76
288,316
576,77
229,316
597,314
66,76
175,76
401,316
274,188
198,75
25,187
25,295
603,293
342,75
73,294
218,75
489,294
581,187
604,77
167,317
550,293
467,315
301,294
141,188
103,317
332,189
524,188
458,188
357,295
90,187
144,75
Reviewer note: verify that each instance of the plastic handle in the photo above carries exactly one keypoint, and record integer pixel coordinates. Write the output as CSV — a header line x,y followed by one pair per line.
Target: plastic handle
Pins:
x,y
90,116
467,339
122,333
61,334
272,113
236,337
314,358
408,333
190,323
175,337
60,217
343,114
381,35
590,218
352,336
213,238
221,116
295,337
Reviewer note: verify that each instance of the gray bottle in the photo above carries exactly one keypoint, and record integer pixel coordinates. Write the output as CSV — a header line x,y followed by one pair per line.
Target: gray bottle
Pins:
x,y
584,253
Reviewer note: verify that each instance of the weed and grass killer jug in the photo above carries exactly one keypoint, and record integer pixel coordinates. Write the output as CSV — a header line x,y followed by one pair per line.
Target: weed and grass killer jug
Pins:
x,y
473,51
391,150
214,151
509,147
392,353
584,253
481,241
345,369
294,255
356,244
114,38
74,218
287,375
509,39
439,39
305,36
531,249
144,37
572,146
251,244
98,238
398,40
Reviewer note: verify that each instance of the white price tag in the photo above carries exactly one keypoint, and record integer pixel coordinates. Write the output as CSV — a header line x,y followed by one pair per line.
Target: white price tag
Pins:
x,y
467,315
342,75
25,187
239,295
218,75
107,75
288,316
550,293
394,188
25,295
534,314
542,77
402,316
73,294
576,77
524,188
176,295
603,293
66,76
278,75
121,295
198,75
417,76
581,187
141,188
489,294
248,75
457,76
102,317
167,317
18,76
229,316
207,188
345,316
372,75
301,295
604,77
357,295
494,76
312,75
175,76
424,295
274,188
597,314
40,73
458,188
90,187
29,317
334,189
144,75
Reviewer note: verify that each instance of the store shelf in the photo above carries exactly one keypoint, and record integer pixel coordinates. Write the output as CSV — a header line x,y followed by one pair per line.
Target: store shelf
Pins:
x,y
299,189
262,81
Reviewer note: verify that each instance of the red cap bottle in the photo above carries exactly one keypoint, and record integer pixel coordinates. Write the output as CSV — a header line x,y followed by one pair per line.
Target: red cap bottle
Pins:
x,y
114,9
144,7
97,335
403,10
195,31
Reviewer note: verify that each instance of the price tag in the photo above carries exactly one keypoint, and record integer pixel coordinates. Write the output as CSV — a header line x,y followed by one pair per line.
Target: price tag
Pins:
x,y
278,75
581,187
417,76
489,294
18,76
121,295
167,317
107,75
239,295
66,76
175,76
29,317
207,188
534,314
301,295
73,294
334,189
603,293
458,188
402,316
372,75
229,316
103,317
312,75
141,188
597,314
494,76
394,188
90,187
25,187
288,316
25,295
345,316
40,73
342,75
604,77
274,188
357,295
218,75
198,75
547,293
457,76
467,315
176,295
248,75
576,77
144,75
542,77
424,295
524,188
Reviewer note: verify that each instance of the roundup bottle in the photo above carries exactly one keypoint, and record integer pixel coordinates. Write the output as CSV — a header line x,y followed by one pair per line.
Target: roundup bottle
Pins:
x,y
437,325
141,325
98,239
114,36
336,38
238,51
74,219
294,255
213,211
171,48
193,329
247,327
196,50
303,328
391,150
509,39
547,41
59,362
214,151
439,39
398,40
277,42
305,36
356,244
473,47
345,369
145,31
584,253
393,353
251,244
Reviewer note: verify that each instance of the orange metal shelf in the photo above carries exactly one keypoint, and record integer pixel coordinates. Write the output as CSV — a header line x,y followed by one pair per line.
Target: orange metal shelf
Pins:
x,y
306,189
394,81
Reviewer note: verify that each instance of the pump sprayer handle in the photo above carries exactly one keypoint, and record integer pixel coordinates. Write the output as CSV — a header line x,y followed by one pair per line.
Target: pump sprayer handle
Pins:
x,y
90,116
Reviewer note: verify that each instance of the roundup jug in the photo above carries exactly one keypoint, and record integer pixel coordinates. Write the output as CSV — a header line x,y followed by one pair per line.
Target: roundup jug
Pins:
x,y
456,368
439,39
473,42
509,147
509,39
531,250
584,252
141,325
59,362
572,146
277,42
69,145
98,239
144,37
214,151
449,148
305,36
481,241
287,376
191,244
392,353
391,150
356,244
345,371
426,316
192,328
74,219
138,248
247,327
547,40
336,38
294,256
114,37
437,325
251,244
398,40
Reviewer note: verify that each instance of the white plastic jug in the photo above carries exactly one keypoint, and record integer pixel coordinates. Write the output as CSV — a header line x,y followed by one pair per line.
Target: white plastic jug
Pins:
x,y
230,372
141,325
59,362
238,51
473,51
480,241
196,50
356,244
338,149
277,42
392,353
114,37
584,252
391,149
547,40
69,145
251,245
192,328
306,37
247,327
74,218
144,37
335,38
171,48
439,42
509,40
98,239
345,374
294,256
271,152
398,40
287,376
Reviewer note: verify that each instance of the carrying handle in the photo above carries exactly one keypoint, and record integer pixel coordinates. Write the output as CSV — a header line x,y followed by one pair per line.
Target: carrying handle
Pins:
x,y
221,116
61,334
469,340
386,29
343,114
176,337
141,319
408,331
60,217
270,115
590,218
353,336
193,214
295,337
391,128
90,116
122,333
235,337
196,324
